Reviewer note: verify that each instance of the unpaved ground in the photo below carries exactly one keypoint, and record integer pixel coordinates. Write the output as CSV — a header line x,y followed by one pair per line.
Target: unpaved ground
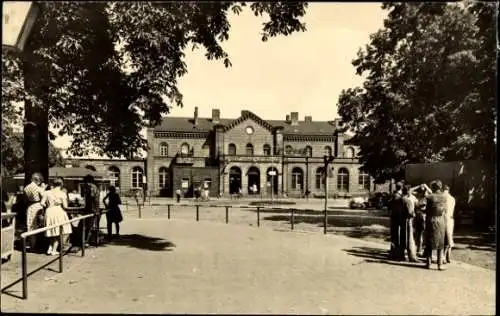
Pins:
x,y
181,266
471,247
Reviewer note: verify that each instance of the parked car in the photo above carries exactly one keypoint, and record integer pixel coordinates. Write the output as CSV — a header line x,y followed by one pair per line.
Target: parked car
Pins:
x,y
358,202
379,200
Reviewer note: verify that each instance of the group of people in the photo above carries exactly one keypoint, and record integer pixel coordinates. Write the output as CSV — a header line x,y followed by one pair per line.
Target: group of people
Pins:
x,y
48,207
422,222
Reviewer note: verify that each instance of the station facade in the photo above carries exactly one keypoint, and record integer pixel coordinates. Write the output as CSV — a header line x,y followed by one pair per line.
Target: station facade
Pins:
x,y
246,155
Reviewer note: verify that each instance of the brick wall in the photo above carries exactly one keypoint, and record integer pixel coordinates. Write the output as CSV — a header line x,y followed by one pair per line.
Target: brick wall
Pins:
x,y
200,146
195,175
124,166
238,136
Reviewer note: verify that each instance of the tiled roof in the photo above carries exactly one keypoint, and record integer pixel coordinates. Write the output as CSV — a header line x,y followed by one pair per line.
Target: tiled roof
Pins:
x,y
74,172
185,124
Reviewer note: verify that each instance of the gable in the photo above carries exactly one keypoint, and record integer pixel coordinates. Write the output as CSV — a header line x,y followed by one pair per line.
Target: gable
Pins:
x,y
247,115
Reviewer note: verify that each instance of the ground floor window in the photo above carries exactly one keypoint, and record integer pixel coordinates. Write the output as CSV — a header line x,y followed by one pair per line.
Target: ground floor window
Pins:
x,y
185,183
297,179
364,181
343,180
320,178
137,177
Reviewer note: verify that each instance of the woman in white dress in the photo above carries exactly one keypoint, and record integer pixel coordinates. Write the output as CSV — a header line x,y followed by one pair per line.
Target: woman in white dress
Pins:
x,y
56,200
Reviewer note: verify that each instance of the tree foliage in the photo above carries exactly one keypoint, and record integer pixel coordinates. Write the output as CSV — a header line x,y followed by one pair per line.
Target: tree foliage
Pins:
x,y
105,70
13,153
429,92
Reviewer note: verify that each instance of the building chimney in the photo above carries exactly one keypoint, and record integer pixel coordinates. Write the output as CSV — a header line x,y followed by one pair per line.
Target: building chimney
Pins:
x,y
215,116
288,118
195,119
308,119
294,116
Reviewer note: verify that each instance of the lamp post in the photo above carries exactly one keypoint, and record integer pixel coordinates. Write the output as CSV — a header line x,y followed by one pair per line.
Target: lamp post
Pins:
x,y
327,159
18,20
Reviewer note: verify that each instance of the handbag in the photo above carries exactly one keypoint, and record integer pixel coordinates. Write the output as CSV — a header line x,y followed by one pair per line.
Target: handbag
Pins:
x,y
40,218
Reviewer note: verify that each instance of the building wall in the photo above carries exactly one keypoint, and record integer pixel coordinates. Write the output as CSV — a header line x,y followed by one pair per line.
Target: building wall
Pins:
x,y
195,175
103,165
201,165
238,136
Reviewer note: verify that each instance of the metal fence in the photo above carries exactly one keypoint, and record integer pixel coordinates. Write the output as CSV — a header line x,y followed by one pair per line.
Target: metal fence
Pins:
x,y
292,212
24,259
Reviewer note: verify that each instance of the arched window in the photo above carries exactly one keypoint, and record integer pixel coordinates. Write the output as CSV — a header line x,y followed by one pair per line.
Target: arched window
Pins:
x,y
328,150
114,174
364,180
90,167
137,177
309,151
289,150
349,153
162,177
297,178
231,150
185,149
163,149
249,150
343,180
267,150
320,178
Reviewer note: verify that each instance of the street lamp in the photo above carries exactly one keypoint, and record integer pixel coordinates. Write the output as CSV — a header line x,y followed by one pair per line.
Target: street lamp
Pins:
x,y
18,18
327,159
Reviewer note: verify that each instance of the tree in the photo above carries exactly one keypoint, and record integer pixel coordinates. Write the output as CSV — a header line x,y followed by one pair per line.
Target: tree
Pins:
x,y
105,70
13,156
424,99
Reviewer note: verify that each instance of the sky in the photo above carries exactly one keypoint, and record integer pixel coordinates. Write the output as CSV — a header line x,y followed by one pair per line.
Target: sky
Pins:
x,y
303,72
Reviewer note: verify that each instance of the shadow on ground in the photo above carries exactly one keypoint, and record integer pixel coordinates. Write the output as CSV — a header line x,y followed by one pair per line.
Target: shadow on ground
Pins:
x,y
333,211
142,242
475,240
355,226
376,255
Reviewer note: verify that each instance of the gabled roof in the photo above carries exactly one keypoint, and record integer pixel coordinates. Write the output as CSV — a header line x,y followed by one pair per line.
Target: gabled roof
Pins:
x,y
248,115
186,124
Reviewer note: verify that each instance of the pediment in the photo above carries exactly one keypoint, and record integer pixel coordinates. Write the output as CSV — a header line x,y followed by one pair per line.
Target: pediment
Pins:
x,y
248,115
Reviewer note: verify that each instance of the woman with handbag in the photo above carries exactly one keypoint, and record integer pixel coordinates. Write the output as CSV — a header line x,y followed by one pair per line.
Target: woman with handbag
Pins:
x,y
112,203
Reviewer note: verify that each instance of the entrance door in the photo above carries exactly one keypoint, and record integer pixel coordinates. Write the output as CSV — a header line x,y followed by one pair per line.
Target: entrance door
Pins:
x,y
234,180
253,180
272,179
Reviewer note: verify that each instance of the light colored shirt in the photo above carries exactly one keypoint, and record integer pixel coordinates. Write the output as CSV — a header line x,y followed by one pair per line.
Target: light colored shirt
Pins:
x,y
450,205
55,197
410,201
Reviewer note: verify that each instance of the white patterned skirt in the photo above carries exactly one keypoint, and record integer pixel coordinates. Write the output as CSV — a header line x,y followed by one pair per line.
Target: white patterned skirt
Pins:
x,y
55,215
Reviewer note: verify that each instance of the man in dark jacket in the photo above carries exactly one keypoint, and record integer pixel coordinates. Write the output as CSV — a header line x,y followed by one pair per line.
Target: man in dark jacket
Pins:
x,y
398,224
91,196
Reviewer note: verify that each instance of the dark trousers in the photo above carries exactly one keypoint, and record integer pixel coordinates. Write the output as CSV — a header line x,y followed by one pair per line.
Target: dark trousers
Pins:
x,y
178,198
398,238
